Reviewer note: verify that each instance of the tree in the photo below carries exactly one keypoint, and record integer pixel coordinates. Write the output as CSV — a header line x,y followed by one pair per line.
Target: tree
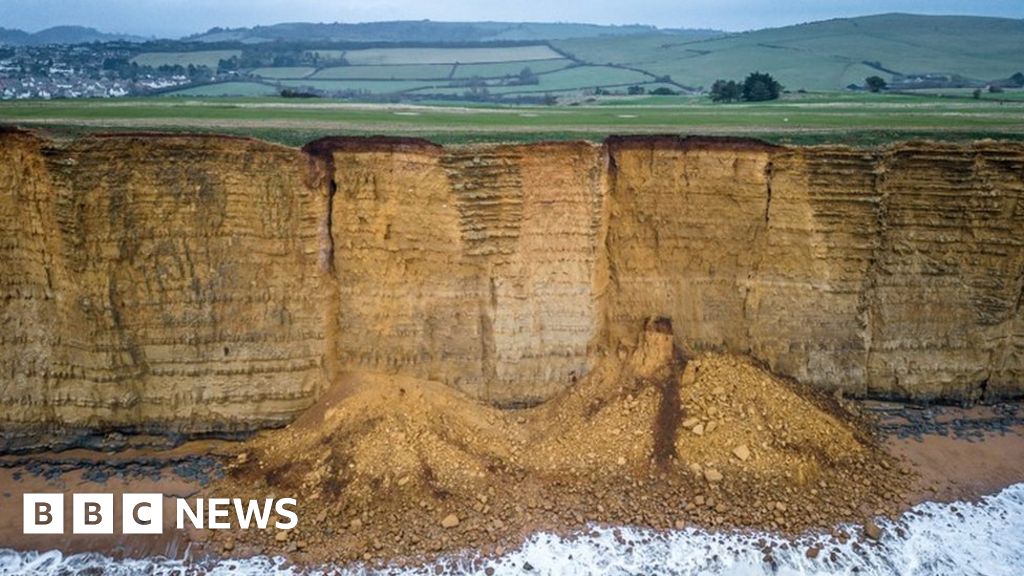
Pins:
x,y
526,76
663,91
725,91
760,86
875,83
1018,79
635,90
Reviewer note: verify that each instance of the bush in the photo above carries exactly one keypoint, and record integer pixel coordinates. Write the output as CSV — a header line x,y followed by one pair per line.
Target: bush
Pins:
x,y
725,91
875,83
759,87
663,91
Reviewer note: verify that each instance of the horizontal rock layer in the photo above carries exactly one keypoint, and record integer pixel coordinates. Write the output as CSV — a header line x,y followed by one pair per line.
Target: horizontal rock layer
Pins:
x,y
211,284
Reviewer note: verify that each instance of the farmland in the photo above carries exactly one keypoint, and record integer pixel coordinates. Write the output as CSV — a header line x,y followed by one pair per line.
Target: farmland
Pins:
x,y
825,55
820,56
439,71
531,63
208,58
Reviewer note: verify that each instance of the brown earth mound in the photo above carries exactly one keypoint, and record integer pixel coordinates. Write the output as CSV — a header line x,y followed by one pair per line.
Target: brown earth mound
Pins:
x,y
388,468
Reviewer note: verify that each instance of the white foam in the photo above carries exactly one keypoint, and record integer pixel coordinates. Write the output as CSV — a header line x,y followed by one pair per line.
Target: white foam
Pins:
x,y
983,539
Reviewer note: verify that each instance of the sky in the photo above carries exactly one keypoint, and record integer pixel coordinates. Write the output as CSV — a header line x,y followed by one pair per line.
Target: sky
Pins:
x,y
174,18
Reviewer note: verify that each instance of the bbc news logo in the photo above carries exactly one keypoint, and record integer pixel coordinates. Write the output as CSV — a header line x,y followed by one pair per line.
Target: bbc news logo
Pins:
x,y
144,513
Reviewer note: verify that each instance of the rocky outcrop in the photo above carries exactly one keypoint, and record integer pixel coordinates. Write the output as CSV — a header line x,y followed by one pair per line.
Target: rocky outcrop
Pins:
x,y
195,284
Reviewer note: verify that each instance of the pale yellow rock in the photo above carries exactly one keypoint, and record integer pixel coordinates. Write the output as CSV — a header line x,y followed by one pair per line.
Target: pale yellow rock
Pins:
x,y
741,452
450,521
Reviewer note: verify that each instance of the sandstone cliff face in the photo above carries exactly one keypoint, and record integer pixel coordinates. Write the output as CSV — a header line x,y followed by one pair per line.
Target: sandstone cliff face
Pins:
x,y
213,284
157,283
895,273
474,267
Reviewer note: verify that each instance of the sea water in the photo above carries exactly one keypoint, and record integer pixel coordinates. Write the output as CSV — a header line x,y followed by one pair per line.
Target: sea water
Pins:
x,y
984,538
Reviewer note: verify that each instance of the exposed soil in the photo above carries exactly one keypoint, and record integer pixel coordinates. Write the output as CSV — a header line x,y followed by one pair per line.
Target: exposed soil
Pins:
x,y
388,468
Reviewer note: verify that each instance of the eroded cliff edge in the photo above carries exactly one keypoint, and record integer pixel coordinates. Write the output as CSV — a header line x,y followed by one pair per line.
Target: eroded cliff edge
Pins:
x,y
209,284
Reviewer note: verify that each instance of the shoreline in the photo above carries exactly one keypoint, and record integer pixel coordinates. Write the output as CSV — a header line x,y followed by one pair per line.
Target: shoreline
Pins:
x,y
948,465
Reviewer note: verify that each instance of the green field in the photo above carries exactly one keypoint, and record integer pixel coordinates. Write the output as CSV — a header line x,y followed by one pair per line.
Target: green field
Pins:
x,y
811,118
376,56
394,72
223,89
367,86
199,58
284,72
580,77
512,68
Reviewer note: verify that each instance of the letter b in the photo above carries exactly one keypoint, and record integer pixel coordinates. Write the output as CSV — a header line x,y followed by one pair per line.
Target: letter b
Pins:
x,y
92,514
43,514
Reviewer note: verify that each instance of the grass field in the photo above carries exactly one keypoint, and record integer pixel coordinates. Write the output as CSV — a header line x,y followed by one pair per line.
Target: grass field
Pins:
x,y
393,72
228,89
367,86
512,68
811,118
199,58
284,72
373,56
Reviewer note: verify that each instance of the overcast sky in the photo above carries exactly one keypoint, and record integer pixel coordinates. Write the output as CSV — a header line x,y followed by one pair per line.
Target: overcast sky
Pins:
x,y
179,17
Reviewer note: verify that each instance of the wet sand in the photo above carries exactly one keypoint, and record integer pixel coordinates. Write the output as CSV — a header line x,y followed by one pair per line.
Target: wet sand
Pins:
x,y
177,473
950,464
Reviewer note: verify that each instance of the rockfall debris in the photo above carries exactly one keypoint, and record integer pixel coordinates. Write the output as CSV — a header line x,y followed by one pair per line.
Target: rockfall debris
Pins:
x,y
392,468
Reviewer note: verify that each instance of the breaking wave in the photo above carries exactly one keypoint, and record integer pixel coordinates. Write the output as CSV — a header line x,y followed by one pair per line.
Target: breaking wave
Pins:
x,y
984,538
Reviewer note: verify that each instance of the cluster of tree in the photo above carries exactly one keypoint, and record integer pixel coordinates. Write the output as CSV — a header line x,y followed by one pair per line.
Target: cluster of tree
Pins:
x,y
300,93
119,67
758,87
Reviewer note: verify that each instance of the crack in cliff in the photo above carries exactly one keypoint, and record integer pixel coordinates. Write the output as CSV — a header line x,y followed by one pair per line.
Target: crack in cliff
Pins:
x,y
757,247
869,289
322,173
332,189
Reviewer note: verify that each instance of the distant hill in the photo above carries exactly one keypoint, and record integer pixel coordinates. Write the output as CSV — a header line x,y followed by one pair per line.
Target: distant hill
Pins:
x,y
61,35
430,31
825,55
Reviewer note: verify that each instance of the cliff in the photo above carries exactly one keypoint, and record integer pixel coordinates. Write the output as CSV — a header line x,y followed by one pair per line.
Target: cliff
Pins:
x,y
210,284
